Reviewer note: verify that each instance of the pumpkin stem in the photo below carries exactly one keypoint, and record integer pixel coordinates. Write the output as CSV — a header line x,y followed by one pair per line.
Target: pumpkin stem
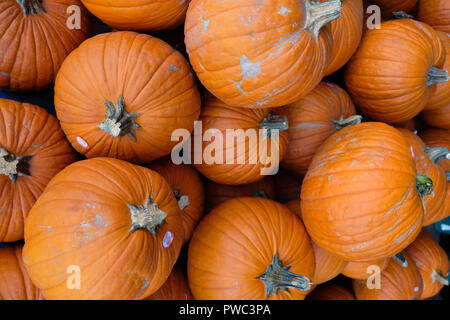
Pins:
x,y
260,193
147,216
342,123
278,277
437,276
318,14
13,166
436,75
119,122
183,201
399,15
274,122
424,185
437,153
447,173
400,259
31,6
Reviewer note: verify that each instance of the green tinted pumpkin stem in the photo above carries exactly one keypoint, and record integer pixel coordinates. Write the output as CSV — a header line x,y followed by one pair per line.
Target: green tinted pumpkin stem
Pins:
x,y
318,14
399,15
277,277
147,216
437,154
274,122
342,123
13,166
447,173
436,75
31,6
400,259
437,276
260,193
119,122
424,185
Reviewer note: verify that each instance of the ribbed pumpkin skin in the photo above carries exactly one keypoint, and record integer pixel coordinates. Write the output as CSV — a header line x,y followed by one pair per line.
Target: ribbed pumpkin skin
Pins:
x,y
330,292
140,15
176,287
390,6
15,284
90,227
155,81
186,181
428,256
248,232
434,203
28,130
359,197
387,76
328,266
436,13
397,283
358,270
311,123
33,47
218,193
217,115
255,53
347,32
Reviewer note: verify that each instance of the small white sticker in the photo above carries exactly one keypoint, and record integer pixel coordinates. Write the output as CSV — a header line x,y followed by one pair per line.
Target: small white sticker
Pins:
x,y
82,142
416,289
167,240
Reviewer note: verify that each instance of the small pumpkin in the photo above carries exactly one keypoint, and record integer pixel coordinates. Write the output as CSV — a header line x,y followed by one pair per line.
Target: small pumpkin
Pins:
x,y
187,188
362,197
394,73
15,284
246,155
218,193
331,292
436,13
401,280
33,149
132,92
287,186
272,55
176,287
388,7
250,248
432,262
118,223
35,38
363,270
314,118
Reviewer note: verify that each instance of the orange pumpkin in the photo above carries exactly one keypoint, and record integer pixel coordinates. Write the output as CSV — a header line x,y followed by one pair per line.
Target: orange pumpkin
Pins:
x,y
427,163
331,292
176,287
287,186
188,189
260,53
35,38
15,284
33,149
218,193
400,280
436,13
347,32
324,110
432,262
388,7
362,197
140,15
128,111
363,270
252,249
115,224
247,156
394,73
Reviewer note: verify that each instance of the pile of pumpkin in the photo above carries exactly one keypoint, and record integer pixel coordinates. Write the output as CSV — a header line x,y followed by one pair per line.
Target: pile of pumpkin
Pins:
x,y
363,169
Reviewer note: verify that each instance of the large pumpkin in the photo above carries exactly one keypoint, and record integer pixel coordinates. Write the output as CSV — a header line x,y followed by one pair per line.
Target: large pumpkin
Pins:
x,y
347,31
314,118
143,15
114,224
362,197
364,270
245,155
393,74
331,292
401,280
388,7
15,284
436,13
252,249
33,149
35,38
188,189
260,53
176,287
427,160
131,92
432,262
